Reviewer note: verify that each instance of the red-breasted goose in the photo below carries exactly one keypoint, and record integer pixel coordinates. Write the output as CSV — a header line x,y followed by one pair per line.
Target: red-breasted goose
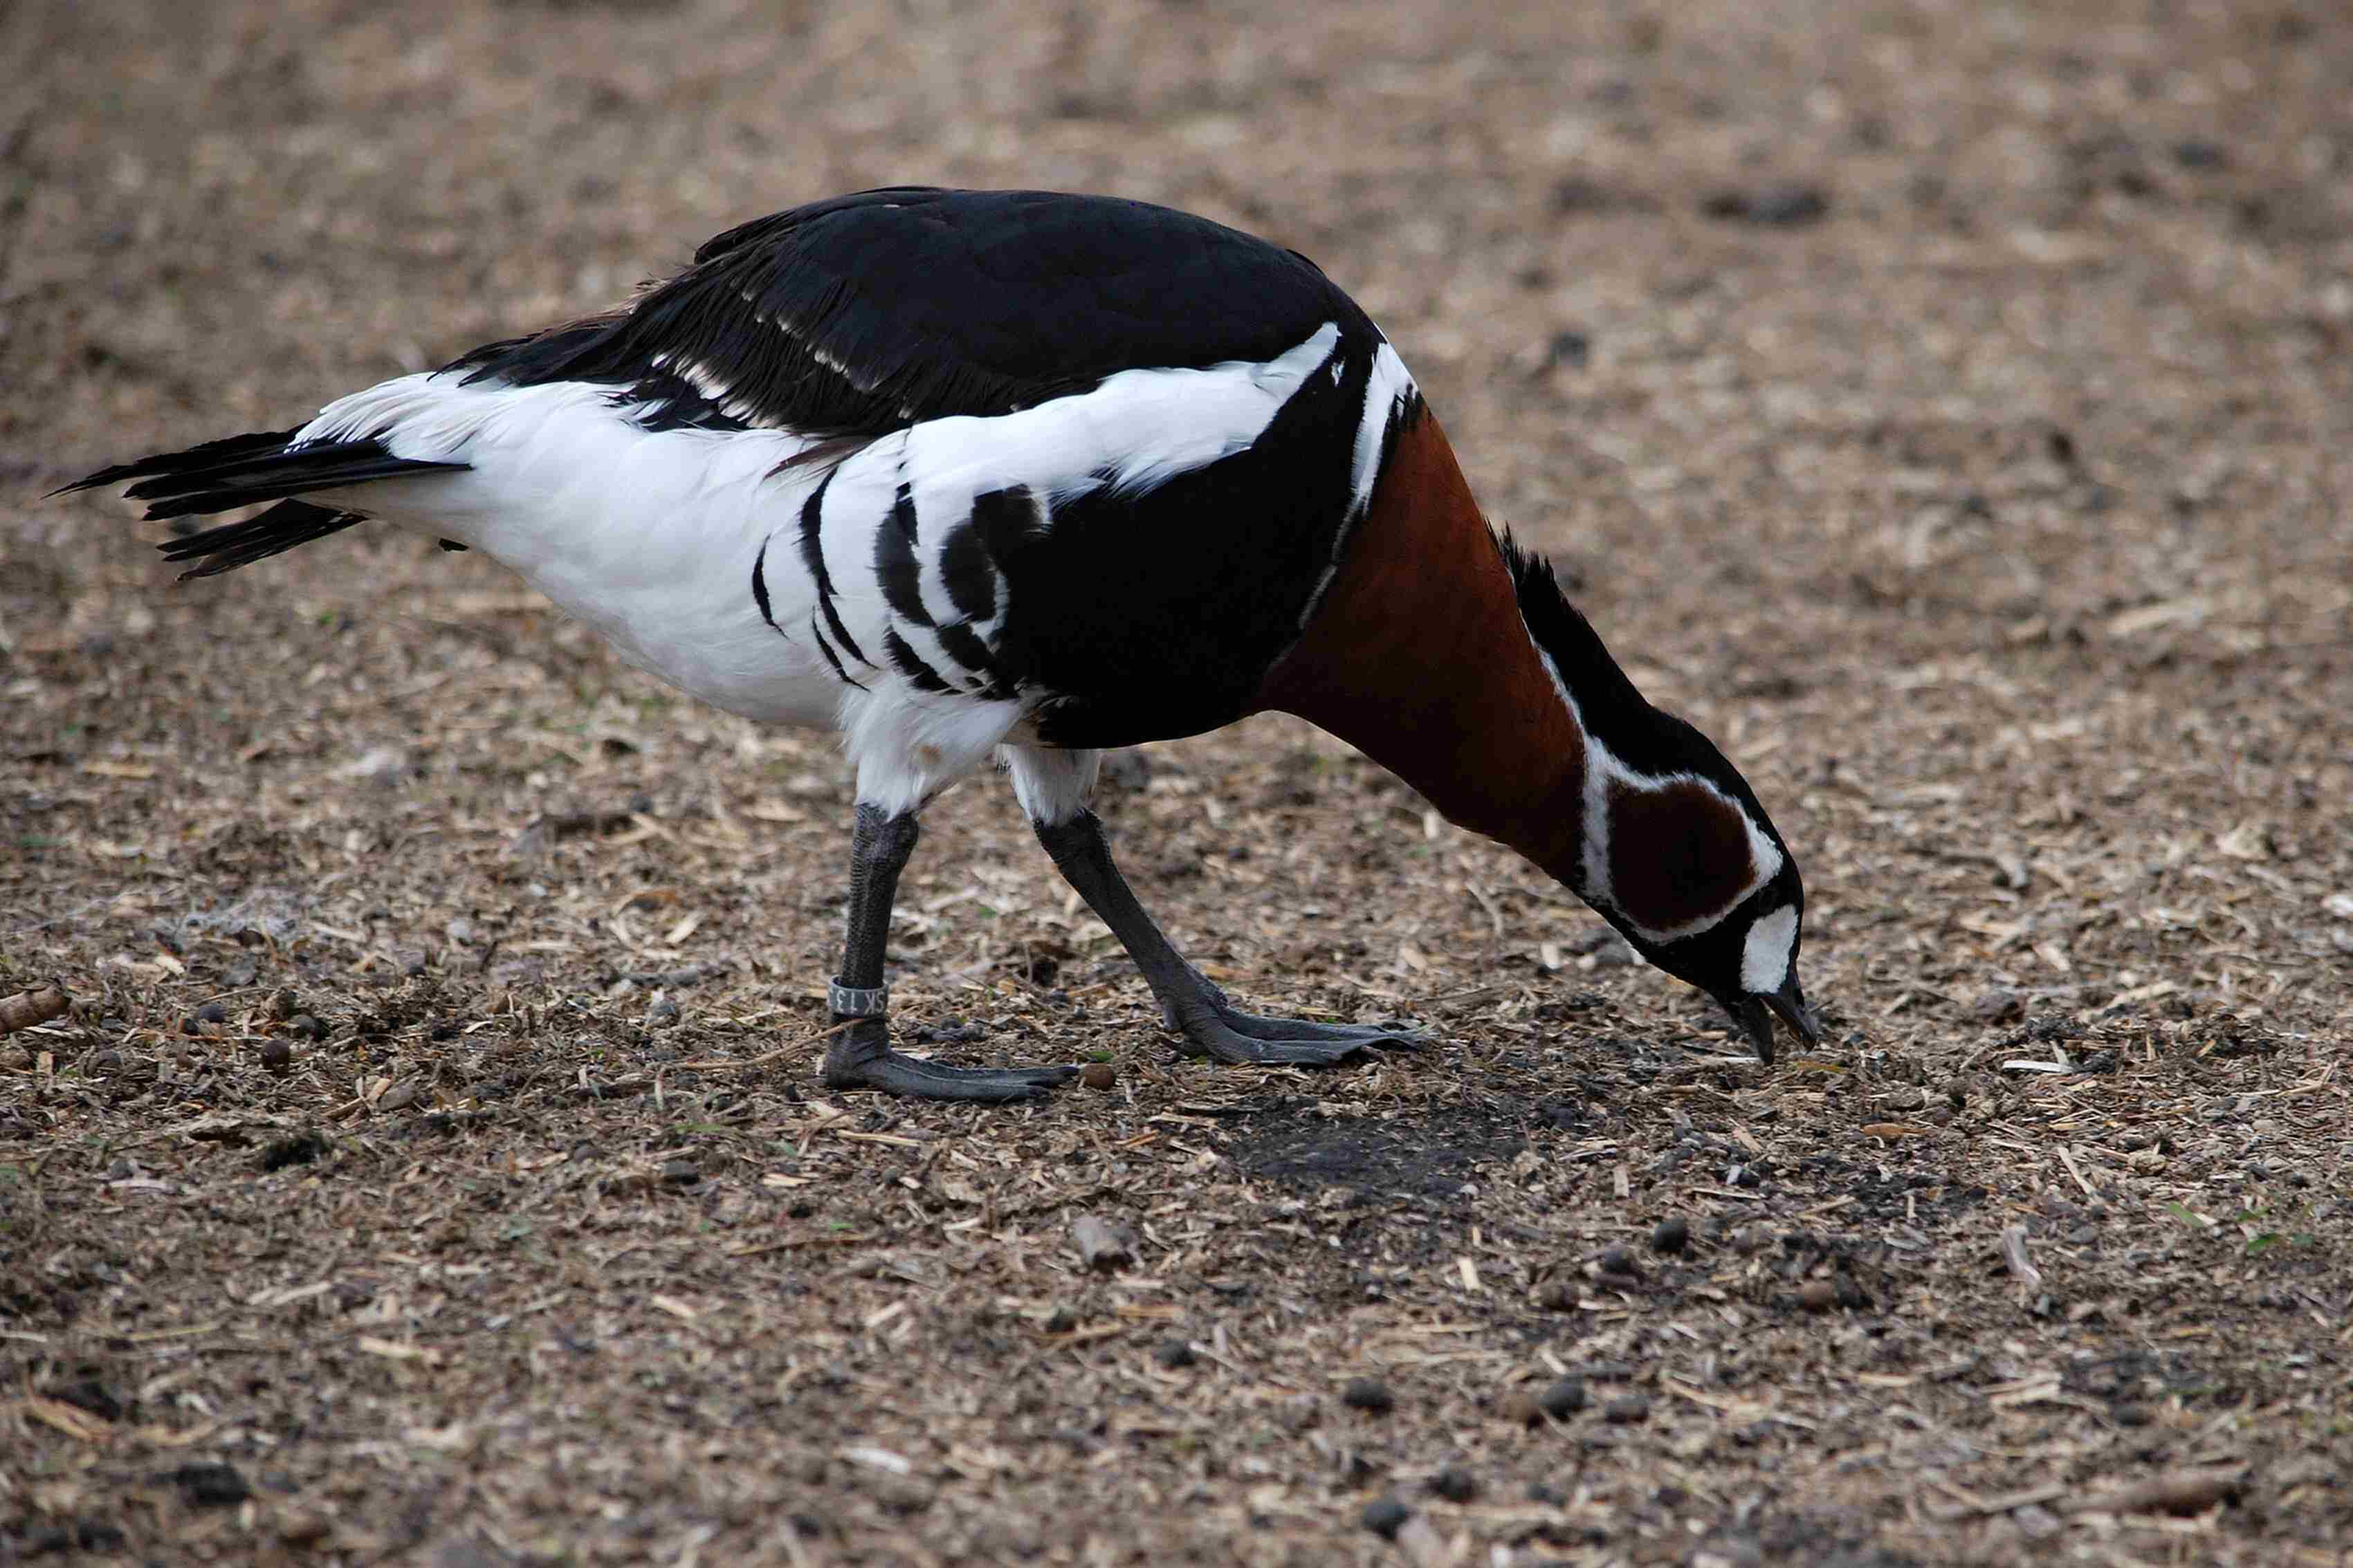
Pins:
x,y
967,474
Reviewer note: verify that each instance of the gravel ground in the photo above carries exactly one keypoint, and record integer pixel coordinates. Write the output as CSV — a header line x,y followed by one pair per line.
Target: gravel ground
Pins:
x,y
1948,406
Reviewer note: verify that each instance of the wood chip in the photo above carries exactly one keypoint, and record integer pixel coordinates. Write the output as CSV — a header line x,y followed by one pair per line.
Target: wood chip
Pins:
x,y
880,1459
2013,1253
70,1419
27,1008
392,1351
2182,1492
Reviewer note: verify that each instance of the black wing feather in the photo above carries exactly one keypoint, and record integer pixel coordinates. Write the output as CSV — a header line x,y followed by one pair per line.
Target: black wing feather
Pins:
x,y
867,312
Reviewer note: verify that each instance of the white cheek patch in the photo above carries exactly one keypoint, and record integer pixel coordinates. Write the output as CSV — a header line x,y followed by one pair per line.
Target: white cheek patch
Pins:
x,y
1765,958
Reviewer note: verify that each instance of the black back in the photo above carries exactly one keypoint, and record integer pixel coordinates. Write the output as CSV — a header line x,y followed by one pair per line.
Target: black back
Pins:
x,y
910,303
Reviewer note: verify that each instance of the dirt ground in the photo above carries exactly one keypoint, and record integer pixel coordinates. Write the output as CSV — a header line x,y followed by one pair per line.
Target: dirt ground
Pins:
x,y
1947,405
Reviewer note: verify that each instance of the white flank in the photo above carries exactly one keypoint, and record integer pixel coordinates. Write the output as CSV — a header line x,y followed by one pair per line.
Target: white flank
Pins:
x,y
1765,958
647,536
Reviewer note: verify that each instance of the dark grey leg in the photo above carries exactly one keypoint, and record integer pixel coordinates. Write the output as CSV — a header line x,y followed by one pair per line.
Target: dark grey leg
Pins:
x,y
1212,1027
861,1056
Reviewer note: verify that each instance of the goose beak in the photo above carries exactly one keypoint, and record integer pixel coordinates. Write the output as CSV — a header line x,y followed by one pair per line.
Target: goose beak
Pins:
x,y
1756,1011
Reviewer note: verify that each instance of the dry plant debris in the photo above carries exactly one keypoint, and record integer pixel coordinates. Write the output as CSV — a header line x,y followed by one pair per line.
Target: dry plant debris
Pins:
x,y
27,1008
1950,408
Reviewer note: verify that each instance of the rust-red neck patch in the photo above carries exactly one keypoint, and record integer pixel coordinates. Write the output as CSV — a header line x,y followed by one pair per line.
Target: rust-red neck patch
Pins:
x,y
1679,853
1418,657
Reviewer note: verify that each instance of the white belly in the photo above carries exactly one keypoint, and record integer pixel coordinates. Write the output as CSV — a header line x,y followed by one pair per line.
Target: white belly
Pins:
x,y
648,537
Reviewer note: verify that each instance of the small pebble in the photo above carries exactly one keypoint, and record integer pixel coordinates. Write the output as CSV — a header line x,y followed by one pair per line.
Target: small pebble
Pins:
x,y
1455,1484
1175,1354
1563,1398
1103,1243
211,1486
304,1527
1369,1395
1783,204
1618,1260
1671,1236
900,1494
306,1028
1099,1075
1626,1409
297,1149
677,1172
1818,1295
1385,1517
89,1394
1557,1295
1567,347
276,1055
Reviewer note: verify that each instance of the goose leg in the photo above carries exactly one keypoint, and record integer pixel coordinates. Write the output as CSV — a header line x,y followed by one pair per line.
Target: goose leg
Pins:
x,y
861,1056
1189,1002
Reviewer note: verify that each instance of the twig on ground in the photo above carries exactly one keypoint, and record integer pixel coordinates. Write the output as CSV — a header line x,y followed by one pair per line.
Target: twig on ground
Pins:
x,y
28,1008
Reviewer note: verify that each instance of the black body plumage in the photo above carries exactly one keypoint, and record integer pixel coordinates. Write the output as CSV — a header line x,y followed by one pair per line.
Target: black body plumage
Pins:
x,y
864,313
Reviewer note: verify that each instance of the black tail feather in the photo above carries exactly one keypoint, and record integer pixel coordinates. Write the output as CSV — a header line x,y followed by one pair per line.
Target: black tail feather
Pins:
x,y
197,457
236,544
243,470
243,484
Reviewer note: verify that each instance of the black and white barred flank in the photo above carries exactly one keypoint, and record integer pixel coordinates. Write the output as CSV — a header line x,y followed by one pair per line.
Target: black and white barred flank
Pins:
x,y
949,469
